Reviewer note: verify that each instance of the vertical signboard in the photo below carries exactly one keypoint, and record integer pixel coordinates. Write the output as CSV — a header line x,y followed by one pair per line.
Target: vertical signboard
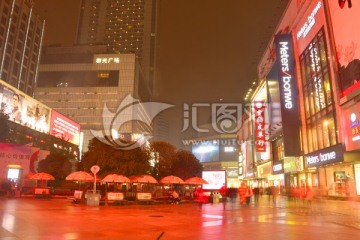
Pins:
x,y
259,117
288,94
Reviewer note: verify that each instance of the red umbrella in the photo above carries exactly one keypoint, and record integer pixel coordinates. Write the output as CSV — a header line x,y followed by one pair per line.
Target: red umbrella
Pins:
x,y
143,179
115,178
42,176
172,180
80,176
196,181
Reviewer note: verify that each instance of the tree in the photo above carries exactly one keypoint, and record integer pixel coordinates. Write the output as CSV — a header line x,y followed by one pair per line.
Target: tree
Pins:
x,y
186,165
113,160
162,155
56,164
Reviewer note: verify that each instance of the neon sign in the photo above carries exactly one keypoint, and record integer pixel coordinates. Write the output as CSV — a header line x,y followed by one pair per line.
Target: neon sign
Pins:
x,y
305,29
325,156
286,76
260,141
107,60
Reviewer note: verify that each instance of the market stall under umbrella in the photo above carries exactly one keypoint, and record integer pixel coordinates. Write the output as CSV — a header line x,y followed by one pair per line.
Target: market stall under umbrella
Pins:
x,y
80,176
146,181
43,177
114,178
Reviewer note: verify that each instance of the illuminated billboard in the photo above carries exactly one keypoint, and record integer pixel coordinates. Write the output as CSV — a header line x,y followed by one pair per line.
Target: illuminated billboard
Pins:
x,y
216,179
23,109
64,128
207,151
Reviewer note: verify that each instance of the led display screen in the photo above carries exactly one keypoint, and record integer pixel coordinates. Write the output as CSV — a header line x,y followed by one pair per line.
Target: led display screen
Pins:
x,y
216,179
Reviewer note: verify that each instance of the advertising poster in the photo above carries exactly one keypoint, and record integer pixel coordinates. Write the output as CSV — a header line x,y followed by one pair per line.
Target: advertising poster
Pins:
x,y
64,128
23,109
347,42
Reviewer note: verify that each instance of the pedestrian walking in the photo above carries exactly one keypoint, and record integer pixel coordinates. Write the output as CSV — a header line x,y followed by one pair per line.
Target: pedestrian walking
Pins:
x,y
256,194
224,192
248,195
199,196
233,193
274,191
242,192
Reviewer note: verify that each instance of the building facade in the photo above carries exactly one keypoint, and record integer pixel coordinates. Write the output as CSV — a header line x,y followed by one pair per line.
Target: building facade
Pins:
x,y
92,88
311,72
21,34
126,27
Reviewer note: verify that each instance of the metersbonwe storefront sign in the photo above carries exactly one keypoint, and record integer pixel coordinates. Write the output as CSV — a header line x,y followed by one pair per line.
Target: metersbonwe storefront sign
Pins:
x,y
288,94
325,156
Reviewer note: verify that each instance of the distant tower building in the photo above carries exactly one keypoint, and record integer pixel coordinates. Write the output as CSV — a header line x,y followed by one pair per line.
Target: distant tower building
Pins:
x,y
125,26
21,34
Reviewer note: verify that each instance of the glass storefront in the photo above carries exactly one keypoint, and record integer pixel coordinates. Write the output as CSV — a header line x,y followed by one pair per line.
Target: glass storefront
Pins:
x,y
318,95
339,180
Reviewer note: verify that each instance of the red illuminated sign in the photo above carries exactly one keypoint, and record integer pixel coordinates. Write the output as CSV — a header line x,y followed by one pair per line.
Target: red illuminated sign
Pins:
x,y
259,117
64,128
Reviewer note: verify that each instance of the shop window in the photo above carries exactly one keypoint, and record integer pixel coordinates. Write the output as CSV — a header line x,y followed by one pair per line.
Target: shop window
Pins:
x,y
318,95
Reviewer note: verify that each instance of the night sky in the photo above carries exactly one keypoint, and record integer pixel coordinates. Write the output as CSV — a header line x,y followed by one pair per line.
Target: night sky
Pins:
x,y
208,50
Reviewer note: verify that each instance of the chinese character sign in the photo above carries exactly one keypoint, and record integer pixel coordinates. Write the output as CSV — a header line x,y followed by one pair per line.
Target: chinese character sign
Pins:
x,y
259,119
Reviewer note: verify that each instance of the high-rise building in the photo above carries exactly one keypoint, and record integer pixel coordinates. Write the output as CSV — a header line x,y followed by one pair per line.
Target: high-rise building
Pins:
x,y
91,86
21,34
125,26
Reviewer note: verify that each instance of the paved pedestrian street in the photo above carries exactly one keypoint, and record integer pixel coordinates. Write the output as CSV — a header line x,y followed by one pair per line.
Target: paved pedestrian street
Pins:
x,y
36,219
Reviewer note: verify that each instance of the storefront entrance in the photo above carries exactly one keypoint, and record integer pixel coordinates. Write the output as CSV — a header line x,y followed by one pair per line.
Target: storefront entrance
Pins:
x,y
14,174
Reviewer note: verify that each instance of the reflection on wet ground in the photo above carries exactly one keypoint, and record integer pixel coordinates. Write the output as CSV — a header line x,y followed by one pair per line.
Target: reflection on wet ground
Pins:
x,y
59,219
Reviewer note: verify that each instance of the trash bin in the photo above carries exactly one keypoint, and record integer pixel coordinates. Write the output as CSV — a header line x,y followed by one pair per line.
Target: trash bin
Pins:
x,y
216,198
93,198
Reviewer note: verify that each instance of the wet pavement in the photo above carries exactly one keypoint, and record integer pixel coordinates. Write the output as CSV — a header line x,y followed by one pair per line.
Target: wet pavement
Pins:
x,y
30,219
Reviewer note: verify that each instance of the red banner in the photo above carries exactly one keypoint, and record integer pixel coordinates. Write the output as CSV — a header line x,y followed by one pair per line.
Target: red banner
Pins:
x,y
259,119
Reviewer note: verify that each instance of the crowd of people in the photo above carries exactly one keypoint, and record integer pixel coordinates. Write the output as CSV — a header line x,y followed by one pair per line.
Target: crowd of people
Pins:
x,y
244,194
9,187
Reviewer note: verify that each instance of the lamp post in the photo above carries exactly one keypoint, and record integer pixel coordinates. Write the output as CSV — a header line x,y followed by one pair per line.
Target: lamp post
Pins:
x,y
95,169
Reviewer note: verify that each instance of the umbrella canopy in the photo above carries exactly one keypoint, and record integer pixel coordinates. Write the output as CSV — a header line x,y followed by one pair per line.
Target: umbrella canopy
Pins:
x,y
143,179
196,181
80,176
42,176
172,180
116,178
